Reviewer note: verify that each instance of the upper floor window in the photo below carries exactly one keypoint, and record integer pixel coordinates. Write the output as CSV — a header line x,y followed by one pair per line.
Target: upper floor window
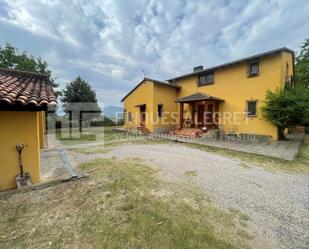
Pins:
x,y
254,69
251,108
206,79
160,110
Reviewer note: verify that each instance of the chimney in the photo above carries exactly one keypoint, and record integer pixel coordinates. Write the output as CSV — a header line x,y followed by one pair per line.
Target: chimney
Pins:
x,y
198,68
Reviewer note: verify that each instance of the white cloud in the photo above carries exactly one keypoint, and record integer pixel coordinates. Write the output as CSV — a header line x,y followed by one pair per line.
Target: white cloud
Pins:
x,y
110,42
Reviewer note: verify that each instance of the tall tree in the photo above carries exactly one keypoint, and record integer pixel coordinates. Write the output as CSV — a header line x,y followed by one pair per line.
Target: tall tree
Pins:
x,y
286,108
78,91
302,64
78,97
13,58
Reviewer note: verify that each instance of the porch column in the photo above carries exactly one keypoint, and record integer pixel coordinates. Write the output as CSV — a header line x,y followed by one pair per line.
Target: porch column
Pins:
x,y
192,114
181,115
217,114
205,114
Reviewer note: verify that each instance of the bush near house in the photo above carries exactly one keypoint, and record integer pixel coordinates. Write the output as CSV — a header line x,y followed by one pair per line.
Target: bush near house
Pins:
x,y
286,108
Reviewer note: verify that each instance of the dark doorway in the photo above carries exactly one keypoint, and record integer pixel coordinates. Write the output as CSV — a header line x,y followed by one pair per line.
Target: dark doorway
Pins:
x,y
209,116
142,110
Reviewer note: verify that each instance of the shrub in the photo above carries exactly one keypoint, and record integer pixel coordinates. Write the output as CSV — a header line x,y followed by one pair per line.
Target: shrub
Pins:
x,y
286,108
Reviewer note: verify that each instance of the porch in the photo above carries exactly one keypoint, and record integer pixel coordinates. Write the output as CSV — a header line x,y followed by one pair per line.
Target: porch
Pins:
x,y
198,112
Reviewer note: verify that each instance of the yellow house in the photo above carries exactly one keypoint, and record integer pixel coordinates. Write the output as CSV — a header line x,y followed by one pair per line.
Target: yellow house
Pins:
x,y
24,98
226,97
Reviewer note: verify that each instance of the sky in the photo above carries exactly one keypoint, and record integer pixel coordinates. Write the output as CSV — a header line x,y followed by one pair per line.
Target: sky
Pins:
x,y
112,44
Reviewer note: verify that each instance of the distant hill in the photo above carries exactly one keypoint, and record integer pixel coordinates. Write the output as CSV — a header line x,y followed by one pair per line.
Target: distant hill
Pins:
x,y
111,111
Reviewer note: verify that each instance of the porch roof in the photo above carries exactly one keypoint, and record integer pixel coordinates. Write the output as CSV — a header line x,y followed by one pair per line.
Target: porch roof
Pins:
x,y
197,97
139,105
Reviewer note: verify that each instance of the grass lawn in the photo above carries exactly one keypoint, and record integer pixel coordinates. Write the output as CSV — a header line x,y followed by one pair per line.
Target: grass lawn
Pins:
x,y
89,135
123,204
299,164
110,146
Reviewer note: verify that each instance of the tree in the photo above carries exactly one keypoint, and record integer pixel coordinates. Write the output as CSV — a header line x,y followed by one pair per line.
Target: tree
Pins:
x,y
80,100
79,91
302,65
13,58
286,108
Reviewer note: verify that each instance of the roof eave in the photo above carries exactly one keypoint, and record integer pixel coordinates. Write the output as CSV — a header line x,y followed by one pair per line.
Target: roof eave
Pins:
x,y
249,58
152,80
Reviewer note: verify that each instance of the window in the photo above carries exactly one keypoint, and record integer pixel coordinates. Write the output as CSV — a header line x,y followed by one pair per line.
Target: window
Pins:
x,y
130,116
160,110
251,108
254,69
206,79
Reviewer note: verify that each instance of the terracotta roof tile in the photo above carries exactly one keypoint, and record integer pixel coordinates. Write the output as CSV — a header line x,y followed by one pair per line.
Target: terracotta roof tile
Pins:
x,y
26,88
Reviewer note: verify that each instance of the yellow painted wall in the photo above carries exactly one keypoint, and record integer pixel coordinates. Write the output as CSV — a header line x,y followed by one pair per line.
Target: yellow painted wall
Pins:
x,y
42,128
287,58
230,84
142,95
152,95
18,128
165,96
233,85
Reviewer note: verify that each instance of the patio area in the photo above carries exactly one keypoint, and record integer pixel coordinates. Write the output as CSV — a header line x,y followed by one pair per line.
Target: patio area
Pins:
x,y
285,150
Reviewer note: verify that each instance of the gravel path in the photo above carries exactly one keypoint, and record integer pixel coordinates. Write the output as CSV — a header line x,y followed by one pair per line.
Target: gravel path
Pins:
x,y
276,202
279,149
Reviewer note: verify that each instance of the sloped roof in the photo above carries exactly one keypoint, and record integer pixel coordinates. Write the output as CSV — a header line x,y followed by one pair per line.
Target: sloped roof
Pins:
x,y
250,58
197,97
162,83
25,88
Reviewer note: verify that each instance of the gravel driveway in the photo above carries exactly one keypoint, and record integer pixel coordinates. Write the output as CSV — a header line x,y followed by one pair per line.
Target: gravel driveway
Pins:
x,y
276,202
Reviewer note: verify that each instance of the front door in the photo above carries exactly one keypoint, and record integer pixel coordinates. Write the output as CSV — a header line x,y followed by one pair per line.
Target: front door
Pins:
x,y
200,115
142,115
209,117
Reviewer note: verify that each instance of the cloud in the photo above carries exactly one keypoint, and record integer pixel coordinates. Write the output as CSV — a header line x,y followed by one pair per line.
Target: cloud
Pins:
x,y
111,42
